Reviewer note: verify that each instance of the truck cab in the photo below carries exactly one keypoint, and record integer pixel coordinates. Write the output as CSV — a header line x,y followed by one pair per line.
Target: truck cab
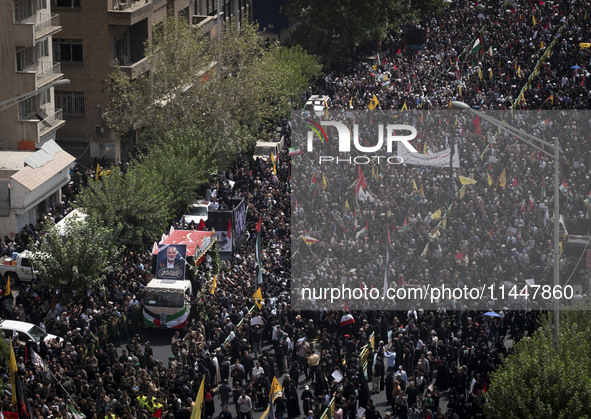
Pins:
x,y
167,304
19,267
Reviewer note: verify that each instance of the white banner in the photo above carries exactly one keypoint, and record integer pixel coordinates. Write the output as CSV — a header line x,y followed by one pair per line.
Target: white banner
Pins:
x,y
440,159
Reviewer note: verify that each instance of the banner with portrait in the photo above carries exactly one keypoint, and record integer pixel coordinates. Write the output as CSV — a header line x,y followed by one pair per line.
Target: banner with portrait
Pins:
x,y
171,261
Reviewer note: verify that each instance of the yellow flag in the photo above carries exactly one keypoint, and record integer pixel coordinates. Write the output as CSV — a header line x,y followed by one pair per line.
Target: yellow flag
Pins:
x,y
8,286
519,71
462,192
444,223
214,284
373,173
456,122
466,180
479,73
272,157
436,215
460,89
414,185
490,73
323,181
425,148
275,389
347,207
503,179
489,179
258,297
404,107
584,45
196,414
560,248
533,18
374,102
274,168
422,193
12,369
98,170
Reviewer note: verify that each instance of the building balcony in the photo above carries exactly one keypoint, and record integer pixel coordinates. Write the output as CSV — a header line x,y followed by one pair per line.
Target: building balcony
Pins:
x,y
52,120
134,69
43,24
130,12
48,72
40,123
47,25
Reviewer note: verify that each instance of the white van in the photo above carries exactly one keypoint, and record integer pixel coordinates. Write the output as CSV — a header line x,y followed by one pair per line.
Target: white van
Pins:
x,y
263,150
318,105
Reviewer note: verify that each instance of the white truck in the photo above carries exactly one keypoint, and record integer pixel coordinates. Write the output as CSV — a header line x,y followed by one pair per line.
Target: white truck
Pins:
x,y
19,267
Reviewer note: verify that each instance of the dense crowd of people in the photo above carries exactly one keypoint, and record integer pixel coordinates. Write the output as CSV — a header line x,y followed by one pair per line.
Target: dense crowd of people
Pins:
x,y
427,363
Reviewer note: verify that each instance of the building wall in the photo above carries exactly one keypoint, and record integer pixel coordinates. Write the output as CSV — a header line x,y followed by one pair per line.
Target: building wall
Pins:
x,y
98,24
16,34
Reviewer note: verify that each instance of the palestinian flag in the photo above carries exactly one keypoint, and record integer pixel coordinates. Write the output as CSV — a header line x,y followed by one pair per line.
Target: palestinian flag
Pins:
x,y
295,151
490,51
176,320
75,413
476,47
346,320
459,256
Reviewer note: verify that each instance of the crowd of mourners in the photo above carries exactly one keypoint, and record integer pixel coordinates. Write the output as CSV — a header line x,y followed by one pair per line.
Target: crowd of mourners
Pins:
x,y
427,363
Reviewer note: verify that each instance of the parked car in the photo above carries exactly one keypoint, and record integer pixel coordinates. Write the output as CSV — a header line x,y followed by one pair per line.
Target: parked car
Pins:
x,y
28,332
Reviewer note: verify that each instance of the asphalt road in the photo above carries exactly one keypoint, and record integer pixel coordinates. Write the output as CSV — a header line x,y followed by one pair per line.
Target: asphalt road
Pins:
x,y
160,342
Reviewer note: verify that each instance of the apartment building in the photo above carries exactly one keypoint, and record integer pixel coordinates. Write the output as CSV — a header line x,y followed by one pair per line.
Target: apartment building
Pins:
x,y
28,114
33,168
97,35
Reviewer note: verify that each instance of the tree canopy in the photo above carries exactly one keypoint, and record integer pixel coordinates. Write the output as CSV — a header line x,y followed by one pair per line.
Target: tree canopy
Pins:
x,y
334,29
222,92
541,381
78,259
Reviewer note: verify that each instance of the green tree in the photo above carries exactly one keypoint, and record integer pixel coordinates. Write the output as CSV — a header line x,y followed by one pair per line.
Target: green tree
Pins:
x,y
78,260
254,82
334,29
134,206
541,381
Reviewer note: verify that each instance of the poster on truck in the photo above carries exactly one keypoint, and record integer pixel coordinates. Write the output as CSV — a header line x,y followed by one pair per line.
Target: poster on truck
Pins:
x,y
171,261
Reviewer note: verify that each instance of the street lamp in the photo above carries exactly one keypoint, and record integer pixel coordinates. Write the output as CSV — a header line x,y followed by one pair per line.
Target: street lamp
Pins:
x,y
18,99
530,139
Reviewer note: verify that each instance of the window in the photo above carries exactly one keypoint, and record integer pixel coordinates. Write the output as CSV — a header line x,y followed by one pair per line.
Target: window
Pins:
x,y
25,57
67,49
71,103
27,108
45,97
65,3
42,48
121,49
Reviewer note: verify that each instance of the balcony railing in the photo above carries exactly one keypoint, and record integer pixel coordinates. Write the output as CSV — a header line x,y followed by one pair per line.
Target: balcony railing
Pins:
x,y
46,20
47,70
52,120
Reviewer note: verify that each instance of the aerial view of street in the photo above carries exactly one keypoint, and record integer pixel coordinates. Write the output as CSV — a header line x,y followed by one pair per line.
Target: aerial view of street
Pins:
x,y
281,209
